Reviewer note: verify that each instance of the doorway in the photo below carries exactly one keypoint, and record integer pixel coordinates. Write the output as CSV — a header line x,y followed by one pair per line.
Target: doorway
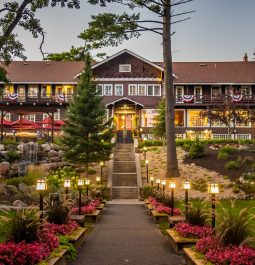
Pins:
x,y
125,122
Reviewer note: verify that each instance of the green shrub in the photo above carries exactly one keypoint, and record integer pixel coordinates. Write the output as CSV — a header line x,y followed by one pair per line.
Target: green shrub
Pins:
x,y
100,191
65,244
146,191
150,143
248,160
9,141
235,226
12,156
232,165
200,184
197,213
41,141
223,155
22,225
228,149
197,149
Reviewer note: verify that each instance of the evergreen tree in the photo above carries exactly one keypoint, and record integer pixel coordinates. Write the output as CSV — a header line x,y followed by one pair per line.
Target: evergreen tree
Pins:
x,y
87,134
160,120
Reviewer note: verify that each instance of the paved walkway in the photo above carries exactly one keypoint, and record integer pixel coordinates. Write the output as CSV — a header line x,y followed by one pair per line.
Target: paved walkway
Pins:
x,y
126,235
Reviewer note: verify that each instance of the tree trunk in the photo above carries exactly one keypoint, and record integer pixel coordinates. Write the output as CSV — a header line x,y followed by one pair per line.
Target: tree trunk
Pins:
x,y
86,170
172,163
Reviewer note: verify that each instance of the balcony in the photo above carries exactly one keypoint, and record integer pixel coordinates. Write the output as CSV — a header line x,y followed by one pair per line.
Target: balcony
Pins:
x,y
215,100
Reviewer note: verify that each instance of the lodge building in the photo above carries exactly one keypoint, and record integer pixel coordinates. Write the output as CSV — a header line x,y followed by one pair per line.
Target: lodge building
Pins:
x,y
132,87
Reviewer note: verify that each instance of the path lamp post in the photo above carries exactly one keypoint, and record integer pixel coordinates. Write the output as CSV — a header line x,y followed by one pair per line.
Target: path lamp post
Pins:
x,y
163,183
172,186
152,181
144,152
80,185
186,187
98,180
158,182
101,170
41,187
213,189
147,170
87,183
67,185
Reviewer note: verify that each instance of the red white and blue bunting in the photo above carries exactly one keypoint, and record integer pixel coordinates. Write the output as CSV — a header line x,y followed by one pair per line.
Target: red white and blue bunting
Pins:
x,y
13,96
237,98
188,98
61,97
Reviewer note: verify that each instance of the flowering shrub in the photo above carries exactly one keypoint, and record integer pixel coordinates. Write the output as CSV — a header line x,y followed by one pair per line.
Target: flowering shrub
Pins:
x,y
28,253
95,203
88,209
192,231
161,208
64,229
217,254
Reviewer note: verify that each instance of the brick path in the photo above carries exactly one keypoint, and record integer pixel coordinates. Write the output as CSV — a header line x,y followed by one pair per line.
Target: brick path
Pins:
x,y
126,235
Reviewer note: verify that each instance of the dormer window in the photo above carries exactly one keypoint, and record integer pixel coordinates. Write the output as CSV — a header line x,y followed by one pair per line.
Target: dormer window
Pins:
x,y
125,68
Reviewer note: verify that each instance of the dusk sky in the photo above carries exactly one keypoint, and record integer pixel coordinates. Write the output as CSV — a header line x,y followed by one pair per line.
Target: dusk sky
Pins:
x,y
220,30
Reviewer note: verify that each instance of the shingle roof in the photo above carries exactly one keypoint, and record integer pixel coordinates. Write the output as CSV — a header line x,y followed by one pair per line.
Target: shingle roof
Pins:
x,y
43,71
213,73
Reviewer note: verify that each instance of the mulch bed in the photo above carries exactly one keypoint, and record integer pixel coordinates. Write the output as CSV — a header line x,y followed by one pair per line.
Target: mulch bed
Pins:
x,y
211,162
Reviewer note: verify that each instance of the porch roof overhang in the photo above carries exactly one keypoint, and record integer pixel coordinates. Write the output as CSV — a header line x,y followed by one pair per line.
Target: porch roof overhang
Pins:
x,y
124,99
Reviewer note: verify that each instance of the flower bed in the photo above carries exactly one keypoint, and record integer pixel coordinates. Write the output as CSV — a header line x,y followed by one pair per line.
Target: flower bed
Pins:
x,y
64,229
233,255
187,230
88,209
28,253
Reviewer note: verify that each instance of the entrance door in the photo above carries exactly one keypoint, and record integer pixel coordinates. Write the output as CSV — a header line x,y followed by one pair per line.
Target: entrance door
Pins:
x,y
125,121
22,93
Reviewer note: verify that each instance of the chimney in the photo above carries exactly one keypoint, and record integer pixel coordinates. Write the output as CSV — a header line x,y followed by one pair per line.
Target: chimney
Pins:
x,y
245,58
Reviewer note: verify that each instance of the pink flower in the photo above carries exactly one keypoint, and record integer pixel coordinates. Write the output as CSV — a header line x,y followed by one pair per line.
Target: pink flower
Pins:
x,y
96,203
187,230
64,229
88,209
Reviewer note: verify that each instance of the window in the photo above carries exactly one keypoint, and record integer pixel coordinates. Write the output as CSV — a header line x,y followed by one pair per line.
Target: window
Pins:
x,y
246,91
229,90
198,93
179,118
157,90
125,68
99,89
220,136
118,90
216,91
30,117
108,90
32,91
7,116
148,117
57,115
180,136
243,136
196,120
179,91
132,90
150,90
59,90
142,90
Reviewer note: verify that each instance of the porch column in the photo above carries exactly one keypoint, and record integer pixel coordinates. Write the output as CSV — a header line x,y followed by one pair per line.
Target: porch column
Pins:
x,y
52,127
2,126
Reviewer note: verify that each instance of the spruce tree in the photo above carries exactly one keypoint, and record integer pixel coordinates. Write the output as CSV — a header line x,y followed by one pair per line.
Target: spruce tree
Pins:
x,y
87,134
160,120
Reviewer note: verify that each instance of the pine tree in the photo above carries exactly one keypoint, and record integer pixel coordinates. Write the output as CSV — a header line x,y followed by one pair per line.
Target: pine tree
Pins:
x,y
87,134
160,120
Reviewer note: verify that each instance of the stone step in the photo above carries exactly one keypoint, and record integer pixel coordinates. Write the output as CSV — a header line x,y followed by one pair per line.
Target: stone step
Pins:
x,y
124,192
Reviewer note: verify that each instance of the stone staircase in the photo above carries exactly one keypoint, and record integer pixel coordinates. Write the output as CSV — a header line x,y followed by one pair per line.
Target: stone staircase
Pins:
x,y
124,178
124,137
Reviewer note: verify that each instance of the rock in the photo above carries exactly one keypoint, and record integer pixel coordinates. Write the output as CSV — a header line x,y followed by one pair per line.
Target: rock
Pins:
x,y
24,188
55,147
15,166
52,153
45,147
61,153
4,153
13,173
19,203
20,147
12,189
3,190
4,168
55,159
244,147
41,154
46,167
2,147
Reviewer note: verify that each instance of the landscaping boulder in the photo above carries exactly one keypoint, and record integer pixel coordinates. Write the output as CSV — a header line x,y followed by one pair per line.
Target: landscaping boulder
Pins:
x,y
19,203
55,147
24,188
45,147
13,173
2,147
20,147
4,168
3,190
15,166
55,159
12,189
52,153
46,167
61,153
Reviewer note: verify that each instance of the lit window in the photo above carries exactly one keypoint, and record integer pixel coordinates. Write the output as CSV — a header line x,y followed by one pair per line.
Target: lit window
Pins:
x,y
32,91
125,68
216,91
108,90
118,90
148,117
179,118
142,90
99,89
196,120
132,90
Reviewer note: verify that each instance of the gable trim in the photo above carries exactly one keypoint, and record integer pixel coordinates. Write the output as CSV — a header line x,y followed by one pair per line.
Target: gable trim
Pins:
x,y
125,98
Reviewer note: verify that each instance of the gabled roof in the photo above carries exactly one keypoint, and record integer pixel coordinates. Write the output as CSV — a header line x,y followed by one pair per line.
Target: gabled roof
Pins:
x,y
131,53
124,99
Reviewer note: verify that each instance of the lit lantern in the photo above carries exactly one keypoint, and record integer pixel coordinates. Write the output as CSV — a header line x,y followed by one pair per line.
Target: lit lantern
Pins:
x,y
41,185
158,182
80,183
186,185
67,183
87,183
172,185
98,180
152,181
213,188
163,183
